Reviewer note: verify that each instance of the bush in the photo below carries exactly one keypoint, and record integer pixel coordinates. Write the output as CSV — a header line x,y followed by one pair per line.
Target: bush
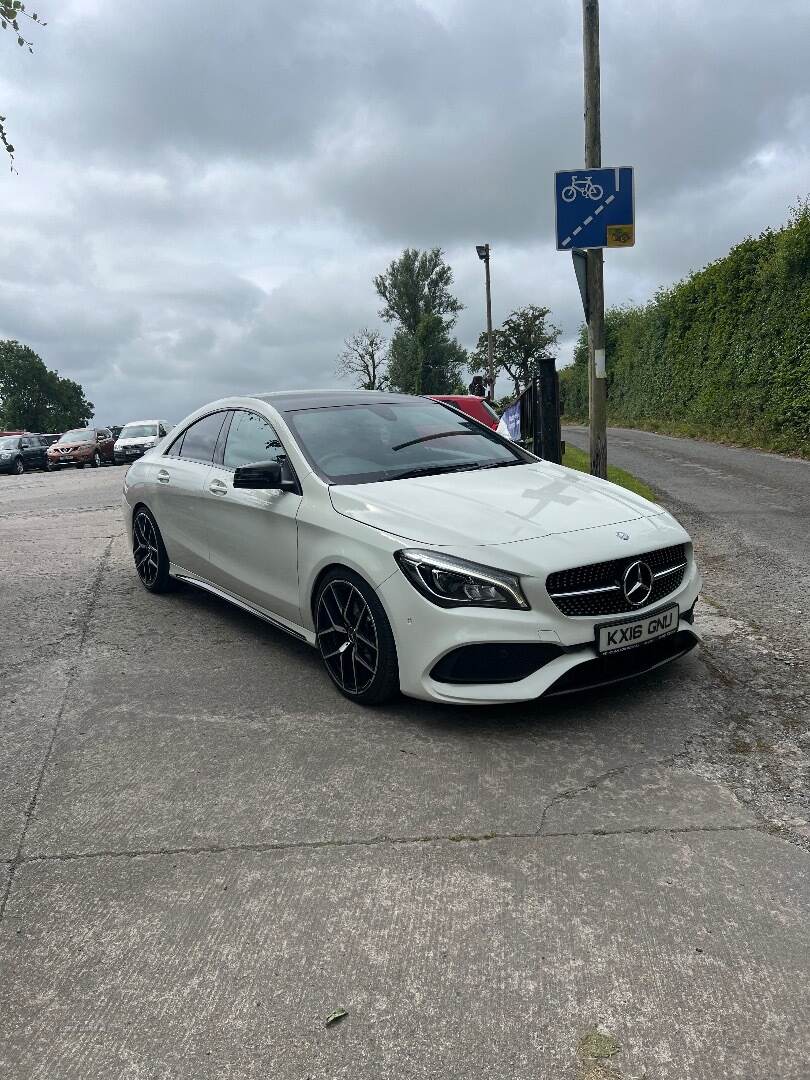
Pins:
x,y
724,354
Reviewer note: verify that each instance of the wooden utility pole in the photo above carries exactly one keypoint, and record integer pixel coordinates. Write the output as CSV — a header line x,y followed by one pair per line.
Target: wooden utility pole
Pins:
x,y
597,383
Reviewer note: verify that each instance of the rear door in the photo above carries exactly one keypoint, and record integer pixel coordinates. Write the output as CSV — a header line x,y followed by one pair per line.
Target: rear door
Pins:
x,y
40,451
252,535
29,452
182,476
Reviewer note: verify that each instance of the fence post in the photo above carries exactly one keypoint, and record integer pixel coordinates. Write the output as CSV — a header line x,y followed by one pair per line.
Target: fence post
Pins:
x,y
548,419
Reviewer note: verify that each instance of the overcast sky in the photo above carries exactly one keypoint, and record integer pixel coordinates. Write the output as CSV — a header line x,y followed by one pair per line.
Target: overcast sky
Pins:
x,y
205,191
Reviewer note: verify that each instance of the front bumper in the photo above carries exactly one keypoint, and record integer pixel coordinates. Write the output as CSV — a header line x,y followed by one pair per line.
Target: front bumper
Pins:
x,y
70,459
122,457
425,634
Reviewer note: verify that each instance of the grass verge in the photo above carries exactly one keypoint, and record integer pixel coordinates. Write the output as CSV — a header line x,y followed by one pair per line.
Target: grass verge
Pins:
x,y
579,460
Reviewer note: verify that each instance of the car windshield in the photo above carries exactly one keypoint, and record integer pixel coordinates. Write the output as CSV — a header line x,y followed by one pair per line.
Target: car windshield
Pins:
x,y
361,444
139,431
9,443
78,435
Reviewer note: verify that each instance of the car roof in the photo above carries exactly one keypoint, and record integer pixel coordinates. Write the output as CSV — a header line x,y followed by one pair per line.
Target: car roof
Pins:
x,y
290,400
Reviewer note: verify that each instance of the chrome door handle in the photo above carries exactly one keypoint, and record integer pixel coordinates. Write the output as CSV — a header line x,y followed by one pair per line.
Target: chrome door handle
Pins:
x,y
218,487
163,476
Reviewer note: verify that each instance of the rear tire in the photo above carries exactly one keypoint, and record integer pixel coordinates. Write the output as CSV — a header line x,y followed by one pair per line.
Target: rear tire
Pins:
x,y
354,639
149,553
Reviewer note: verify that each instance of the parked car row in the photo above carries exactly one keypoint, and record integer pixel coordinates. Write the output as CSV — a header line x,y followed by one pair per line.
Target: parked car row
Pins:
x,y
24,451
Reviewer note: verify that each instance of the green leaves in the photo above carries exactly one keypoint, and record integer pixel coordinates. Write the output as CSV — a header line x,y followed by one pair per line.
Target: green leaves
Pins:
x,y
9,10
334,1016
724,354
34,398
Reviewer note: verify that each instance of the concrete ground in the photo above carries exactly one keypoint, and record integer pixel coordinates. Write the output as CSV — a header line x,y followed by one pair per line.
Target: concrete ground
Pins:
x,y
206,850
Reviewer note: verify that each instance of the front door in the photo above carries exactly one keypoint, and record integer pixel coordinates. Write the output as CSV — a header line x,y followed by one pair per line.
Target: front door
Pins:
x,y
252,535
182,476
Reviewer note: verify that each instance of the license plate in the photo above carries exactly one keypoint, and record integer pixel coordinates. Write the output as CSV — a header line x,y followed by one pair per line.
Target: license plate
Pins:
x,y
612,637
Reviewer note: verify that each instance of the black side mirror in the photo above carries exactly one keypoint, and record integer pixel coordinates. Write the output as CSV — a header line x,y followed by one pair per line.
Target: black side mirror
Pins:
x,y
263,476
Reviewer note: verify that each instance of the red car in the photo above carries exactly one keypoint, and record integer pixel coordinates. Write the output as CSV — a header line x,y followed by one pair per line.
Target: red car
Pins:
x,y
476,407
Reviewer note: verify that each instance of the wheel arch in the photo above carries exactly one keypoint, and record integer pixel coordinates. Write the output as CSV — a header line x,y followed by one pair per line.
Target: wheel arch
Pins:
x,y
316,584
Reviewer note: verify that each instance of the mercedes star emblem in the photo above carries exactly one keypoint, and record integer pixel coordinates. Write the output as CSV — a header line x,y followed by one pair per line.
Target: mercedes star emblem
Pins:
x,y
637,583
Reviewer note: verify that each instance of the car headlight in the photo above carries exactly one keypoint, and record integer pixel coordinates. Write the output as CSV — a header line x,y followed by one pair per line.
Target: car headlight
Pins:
x,y
6,453
451,582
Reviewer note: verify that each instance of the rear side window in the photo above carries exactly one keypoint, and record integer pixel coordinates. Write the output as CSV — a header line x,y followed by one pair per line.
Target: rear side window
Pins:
x,y
251,438
200,440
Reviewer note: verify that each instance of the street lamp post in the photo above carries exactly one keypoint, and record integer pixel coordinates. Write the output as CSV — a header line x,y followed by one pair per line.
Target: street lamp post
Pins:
x,y
483,254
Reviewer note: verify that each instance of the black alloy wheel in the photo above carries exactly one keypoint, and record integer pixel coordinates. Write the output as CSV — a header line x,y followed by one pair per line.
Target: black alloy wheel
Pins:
x,y
19,468
151,560
355,639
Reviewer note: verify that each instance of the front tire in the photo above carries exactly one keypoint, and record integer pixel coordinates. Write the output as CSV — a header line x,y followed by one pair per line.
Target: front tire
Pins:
x,y
355,640
96,460
19,468
149,553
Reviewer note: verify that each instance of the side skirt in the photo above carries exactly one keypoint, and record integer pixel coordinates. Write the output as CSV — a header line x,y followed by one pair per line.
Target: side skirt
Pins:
x,y
237,601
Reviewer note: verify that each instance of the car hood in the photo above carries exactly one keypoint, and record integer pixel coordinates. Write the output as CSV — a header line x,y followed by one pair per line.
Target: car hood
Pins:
x,y
139,441
493,506
70,446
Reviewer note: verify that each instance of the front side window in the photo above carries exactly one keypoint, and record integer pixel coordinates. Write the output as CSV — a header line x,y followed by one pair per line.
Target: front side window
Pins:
x,y
200,440
78,435
251,439
360,444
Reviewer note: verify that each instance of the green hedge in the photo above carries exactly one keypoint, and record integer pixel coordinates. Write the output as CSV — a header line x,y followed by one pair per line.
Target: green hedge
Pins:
x,y
724,354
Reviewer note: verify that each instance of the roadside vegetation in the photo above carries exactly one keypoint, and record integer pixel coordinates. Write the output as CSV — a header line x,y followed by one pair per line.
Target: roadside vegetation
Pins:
x,y
34,398
723,355
574,458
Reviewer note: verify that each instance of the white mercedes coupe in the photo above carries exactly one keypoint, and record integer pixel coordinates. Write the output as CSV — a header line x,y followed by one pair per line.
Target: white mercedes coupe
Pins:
x,y
416,549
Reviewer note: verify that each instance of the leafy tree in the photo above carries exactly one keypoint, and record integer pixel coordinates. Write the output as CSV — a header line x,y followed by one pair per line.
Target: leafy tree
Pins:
x,y
417,284
11,12
427,361
34,398
364,358
518,345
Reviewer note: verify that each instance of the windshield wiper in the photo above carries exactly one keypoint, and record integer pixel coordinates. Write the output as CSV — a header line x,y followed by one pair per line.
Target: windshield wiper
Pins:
x,y
463,466
427,438
432,470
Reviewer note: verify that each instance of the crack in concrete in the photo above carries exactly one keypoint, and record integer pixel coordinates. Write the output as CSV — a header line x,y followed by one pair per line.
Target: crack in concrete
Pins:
x,y
58,511
610,774
92,600
372,841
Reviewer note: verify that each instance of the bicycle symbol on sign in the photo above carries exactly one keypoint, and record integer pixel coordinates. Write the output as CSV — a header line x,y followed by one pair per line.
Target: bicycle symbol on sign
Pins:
x,y
584,187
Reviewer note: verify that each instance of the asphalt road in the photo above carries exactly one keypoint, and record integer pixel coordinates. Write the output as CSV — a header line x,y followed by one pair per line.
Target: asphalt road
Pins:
x,y
749,513
206,850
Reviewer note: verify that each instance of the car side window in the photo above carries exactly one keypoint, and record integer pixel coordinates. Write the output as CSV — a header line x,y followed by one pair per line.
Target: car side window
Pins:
x,y
251,438
200,439
24,444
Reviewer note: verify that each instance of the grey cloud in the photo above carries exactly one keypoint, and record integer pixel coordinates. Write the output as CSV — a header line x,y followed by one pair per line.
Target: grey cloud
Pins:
x,y
204,194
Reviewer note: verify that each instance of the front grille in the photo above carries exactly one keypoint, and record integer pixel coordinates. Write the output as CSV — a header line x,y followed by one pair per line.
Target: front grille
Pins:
x,y
596,589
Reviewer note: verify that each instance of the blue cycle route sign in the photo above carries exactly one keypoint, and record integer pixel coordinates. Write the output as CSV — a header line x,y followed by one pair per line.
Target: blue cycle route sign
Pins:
x,y
595,208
